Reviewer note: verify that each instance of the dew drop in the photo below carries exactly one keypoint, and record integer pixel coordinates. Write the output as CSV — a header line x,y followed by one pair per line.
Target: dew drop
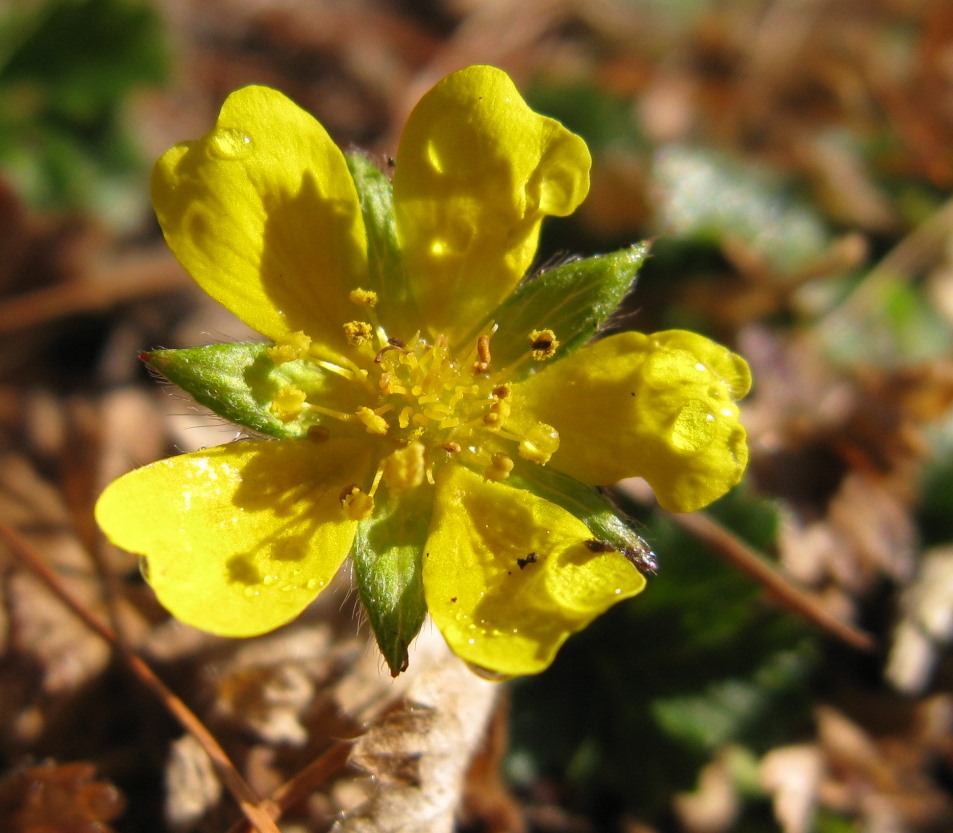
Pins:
x,y
312,584
229,143
269,580
251,592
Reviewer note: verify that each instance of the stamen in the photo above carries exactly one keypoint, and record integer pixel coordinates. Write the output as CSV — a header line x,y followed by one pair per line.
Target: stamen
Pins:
x,y
289,347
347,373
357,505
497,414
288,403
320,409
544,344
358,332
374,423
377,480
363,297
482,364
499,468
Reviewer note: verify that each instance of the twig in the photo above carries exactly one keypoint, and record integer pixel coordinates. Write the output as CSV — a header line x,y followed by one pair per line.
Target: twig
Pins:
x,y
259,815
749,561
305,781
128,278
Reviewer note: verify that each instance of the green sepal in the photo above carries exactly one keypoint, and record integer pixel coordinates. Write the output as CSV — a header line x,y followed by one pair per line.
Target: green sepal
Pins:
x,y
239,382
386,274
388,552
610,528
573,300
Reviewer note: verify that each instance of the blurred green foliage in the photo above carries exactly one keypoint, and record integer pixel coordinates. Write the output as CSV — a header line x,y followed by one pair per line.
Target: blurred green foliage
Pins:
x,y
67,68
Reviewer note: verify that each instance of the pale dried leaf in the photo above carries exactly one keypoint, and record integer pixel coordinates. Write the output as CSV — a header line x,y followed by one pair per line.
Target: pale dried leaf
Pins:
x,y
926,626
419,752
192,788
792,775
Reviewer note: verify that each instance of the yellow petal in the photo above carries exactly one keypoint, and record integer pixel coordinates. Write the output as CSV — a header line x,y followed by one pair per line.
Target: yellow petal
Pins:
x,y
477,170
239,539
660,407
508,576
263,213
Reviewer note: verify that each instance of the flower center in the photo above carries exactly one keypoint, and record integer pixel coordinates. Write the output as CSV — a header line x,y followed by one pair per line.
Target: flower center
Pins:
x,y
418,405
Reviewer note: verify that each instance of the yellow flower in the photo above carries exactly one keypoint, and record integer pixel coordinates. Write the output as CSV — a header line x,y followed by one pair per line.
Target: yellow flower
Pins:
x,y
431,422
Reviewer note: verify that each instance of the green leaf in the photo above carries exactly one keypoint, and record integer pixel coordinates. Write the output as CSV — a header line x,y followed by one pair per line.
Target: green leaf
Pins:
x,y
386,270
573,300
239,382
609,526
387,555
62,96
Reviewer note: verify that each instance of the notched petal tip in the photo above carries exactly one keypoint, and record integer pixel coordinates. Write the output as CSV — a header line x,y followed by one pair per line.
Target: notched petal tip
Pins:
x,y
477,170
238,539
509,576
660,407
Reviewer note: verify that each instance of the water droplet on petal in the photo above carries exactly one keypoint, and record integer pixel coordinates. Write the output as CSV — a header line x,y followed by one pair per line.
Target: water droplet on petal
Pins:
x,y
312,584
251,592
229,143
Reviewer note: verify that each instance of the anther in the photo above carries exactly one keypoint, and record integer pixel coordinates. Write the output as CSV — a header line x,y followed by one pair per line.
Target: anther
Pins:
x,y
543,344
497,414
482,364
357,505
357,332
288,347
363,297
374,423
499,468
288,403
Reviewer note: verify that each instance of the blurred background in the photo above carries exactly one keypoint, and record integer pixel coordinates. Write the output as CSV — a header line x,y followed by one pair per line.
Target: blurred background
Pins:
x,y
793,161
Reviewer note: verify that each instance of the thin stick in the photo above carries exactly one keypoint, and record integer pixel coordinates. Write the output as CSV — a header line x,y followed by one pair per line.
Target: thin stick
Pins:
x,y
749,561
259,815
126,279
305,781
